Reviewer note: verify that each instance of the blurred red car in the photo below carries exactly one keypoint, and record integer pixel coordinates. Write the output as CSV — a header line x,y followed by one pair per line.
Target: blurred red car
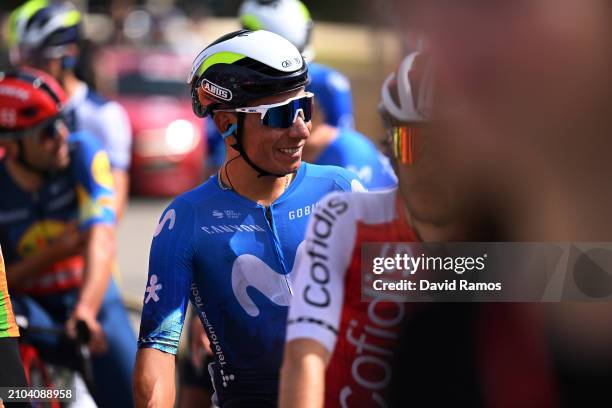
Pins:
x,y
168,150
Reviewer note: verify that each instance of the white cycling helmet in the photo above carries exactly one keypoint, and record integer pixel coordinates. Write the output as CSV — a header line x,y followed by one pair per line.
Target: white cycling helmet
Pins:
x,y
407,95
287,18
240,67
48,30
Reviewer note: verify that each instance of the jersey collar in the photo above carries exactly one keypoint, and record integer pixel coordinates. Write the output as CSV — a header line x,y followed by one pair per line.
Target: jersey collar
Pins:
x,y
301,172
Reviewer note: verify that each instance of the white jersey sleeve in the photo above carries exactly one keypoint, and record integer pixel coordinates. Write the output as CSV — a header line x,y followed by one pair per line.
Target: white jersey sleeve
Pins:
x,y
116,133
319,284
107,120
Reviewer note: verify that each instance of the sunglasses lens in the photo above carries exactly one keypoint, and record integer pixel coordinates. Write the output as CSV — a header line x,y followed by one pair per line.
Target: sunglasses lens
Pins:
x,y
52,130
49,131
285,115
405,143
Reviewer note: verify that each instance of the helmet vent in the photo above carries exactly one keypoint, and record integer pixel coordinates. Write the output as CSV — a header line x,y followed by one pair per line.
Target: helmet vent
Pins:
x,y
259,67
29,112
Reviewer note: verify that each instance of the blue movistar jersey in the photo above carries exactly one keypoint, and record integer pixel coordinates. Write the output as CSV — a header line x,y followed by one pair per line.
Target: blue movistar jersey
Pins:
x,y
332,94
80,195
357,153
233,259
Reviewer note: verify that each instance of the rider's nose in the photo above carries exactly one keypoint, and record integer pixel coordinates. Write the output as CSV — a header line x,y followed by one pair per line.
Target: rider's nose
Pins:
x,y
300,129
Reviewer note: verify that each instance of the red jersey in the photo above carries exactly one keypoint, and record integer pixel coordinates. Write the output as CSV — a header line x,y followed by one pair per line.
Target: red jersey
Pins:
x,y
361,336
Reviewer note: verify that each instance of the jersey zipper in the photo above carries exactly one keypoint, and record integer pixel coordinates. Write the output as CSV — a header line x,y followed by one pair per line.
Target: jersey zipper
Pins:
x,y
270,219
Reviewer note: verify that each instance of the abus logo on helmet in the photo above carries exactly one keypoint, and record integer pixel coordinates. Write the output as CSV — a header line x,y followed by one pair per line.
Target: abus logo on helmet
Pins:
x,y
217,90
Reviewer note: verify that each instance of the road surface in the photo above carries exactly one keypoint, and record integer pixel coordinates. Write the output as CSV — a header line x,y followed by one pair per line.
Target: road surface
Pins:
x,y
133,243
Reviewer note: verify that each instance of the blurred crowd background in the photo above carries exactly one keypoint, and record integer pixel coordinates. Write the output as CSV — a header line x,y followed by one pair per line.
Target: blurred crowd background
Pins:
x,y
352,39
140,52
526,140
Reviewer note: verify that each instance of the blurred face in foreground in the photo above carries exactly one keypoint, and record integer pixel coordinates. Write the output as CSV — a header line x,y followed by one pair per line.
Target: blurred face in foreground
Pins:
x,y
530,83
532,73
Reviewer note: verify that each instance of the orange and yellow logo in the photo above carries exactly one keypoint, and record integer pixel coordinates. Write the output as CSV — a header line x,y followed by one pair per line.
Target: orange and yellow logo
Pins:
x,y
38,236
100,168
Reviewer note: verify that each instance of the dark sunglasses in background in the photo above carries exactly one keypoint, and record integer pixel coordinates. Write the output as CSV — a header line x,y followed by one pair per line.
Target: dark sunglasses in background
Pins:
x,y
52,129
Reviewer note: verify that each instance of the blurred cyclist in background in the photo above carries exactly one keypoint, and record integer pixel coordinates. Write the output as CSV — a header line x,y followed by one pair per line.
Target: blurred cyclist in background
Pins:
x,y
47,36
291,19
57,230
229,245
333,140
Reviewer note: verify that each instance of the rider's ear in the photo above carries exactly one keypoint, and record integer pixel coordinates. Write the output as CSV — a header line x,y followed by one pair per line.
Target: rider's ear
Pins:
x,y
224,120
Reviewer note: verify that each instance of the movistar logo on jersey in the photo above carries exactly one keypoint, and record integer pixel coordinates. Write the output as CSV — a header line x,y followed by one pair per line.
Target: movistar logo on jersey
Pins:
x,y
217,91
248,271
233,228
169,217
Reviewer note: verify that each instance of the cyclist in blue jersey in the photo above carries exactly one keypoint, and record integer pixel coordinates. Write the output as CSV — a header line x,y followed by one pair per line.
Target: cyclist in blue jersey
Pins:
x,y
333,140
229,245
57,231
291,19
48,37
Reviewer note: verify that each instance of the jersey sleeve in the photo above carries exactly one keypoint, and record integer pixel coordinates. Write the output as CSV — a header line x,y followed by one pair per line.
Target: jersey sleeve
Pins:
x,y
94,187
346,180
386,177
358,154
168,283
115,130
316,307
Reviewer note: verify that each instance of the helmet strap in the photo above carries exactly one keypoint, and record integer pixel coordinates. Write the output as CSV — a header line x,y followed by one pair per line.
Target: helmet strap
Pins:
x,y
230,131
238,146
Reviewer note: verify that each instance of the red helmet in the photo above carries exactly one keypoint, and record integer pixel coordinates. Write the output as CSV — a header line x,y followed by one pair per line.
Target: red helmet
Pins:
x,y
29,98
